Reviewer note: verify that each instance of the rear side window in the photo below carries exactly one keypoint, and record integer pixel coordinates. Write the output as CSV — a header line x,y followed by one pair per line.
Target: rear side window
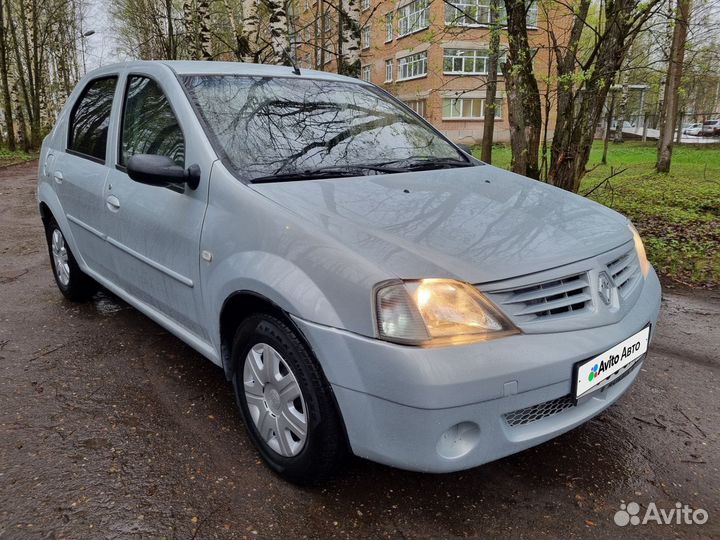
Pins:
x,y
149,123
90,119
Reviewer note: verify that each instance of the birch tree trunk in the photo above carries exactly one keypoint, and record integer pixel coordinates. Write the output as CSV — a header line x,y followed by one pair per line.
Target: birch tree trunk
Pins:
x,y
203,15
250,27
190,28
279,34
234,28
349,61
672,87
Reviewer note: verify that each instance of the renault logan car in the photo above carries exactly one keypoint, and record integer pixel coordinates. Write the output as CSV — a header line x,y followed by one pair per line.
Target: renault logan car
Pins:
x,y
365,285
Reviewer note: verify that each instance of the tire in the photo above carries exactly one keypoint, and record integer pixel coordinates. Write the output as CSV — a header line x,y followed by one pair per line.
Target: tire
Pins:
x,y
279,405
73,283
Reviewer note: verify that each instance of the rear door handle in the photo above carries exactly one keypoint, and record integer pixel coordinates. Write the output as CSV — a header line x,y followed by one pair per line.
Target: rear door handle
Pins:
x,y
113,203
58,177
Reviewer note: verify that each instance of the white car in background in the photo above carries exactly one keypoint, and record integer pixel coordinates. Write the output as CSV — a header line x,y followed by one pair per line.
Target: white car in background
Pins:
x,y
693,129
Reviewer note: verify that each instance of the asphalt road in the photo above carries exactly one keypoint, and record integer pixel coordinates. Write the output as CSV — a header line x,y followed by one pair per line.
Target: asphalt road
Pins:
x,y
110,427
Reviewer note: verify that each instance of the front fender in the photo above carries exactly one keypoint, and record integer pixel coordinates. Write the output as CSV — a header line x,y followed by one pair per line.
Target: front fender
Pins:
x,y
271,277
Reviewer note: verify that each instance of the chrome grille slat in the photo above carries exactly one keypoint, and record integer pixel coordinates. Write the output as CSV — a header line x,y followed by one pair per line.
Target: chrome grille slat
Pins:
x,y
542,292
565,302
624,271
547,300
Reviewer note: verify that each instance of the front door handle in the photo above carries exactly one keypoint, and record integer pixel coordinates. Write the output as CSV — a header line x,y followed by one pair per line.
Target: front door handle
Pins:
x,y
113,203
58,177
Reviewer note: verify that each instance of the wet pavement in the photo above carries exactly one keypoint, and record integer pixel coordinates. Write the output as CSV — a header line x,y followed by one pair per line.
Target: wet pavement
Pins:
x,y
111,427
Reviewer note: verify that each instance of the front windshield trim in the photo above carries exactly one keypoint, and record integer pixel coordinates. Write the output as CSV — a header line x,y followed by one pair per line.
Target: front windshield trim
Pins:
x,y
244,178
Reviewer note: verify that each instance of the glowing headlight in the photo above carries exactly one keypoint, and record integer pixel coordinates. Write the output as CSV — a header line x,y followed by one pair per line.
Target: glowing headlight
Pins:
x,y
437,312
640,250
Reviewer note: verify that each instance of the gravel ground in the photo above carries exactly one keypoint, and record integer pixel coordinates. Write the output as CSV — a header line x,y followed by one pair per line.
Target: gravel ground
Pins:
x,y
111,427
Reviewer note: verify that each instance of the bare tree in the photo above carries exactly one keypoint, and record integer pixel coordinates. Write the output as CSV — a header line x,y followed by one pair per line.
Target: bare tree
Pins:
x,y
492,80
4,84
672,86
622,111
523,94
585,75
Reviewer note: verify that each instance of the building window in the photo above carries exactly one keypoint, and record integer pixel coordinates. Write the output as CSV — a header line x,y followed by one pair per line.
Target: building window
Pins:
x,y
480,13
413,17
468,108
365,73
389,31
364,4
365,37
388,70
467,12
469,62
417,105
413,66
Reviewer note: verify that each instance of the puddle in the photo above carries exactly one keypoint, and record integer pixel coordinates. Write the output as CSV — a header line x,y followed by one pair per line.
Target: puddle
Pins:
x,y
107,304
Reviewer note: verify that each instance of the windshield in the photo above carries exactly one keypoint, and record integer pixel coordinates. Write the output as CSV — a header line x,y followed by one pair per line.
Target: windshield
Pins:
x,y
283,126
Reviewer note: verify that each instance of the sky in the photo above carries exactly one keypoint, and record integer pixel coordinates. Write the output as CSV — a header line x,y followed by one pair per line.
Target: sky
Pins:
x,y
101,47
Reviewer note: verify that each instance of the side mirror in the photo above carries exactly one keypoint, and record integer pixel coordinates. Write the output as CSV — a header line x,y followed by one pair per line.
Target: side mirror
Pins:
x,y
465,148
162,171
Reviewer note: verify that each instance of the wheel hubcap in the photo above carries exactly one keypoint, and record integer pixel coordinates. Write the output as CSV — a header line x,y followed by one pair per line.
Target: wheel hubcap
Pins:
x,y
60,257
274,400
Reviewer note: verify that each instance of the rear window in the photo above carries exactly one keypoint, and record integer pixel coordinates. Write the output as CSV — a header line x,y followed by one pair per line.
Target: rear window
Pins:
x,y
90,119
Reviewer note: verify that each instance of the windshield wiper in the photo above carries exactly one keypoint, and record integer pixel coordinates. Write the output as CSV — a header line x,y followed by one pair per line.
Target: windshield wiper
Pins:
x,y
419,163
335,171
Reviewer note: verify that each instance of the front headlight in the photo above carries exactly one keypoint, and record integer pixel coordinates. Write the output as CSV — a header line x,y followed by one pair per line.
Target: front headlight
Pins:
x,y
437,312
640,250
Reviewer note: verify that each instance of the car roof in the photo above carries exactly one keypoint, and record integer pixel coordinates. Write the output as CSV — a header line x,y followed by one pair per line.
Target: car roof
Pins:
x,y
197,67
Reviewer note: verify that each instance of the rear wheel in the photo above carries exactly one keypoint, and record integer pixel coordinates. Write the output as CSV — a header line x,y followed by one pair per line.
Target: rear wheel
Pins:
x,y
286,403
72,282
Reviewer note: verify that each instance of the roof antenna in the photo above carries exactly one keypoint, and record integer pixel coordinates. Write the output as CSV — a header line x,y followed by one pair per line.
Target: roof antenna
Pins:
x,y
296,69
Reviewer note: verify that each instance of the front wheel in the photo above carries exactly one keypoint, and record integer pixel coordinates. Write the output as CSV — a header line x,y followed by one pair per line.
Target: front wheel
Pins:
x,y
72,282
286,403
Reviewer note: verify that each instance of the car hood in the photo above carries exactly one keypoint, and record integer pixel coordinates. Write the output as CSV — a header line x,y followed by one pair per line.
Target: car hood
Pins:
x,y
478,224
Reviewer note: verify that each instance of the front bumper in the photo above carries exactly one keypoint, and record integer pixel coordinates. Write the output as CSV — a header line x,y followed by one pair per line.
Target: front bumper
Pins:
x,y
444,409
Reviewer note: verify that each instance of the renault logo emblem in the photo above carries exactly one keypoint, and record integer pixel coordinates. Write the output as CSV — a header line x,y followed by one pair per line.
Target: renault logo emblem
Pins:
x,y
605,287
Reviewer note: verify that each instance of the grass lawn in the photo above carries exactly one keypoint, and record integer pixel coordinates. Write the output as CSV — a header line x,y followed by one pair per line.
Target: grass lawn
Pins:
x,y
13,158
678,214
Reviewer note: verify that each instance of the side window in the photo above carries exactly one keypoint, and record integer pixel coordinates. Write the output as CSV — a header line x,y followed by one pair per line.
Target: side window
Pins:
x,y
90,119
149,125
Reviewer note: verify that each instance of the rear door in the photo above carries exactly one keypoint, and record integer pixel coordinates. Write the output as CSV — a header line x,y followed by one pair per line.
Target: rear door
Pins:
x,y
79,173
154,232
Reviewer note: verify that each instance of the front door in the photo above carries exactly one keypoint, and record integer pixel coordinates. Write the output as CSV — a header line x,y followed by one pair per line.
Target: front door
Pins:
x,y
155,231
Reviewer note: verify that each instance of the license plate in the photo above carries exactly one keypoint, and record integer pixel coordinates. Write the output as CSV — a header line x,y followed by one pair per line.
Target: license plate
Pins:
x,y
591,373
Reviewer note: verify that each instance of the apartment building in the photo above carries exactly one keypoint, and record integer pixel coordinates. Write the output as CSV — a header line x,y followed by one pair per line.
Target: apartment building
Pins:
x,y
432,54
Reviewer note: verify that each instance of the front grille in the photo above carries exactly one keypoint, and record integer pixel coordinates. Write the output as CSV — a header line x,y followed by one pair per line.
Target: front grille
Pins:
x,y
625,272
547,300
539,411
